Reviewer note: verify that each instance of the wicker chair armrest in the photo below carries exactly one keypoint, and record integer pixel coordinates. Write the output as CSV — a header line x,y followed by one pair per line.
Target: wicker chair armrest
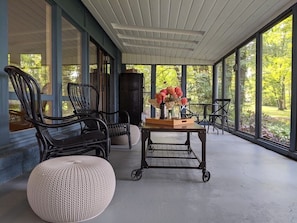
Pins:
x,y
122,116
100,124
64,118
118,129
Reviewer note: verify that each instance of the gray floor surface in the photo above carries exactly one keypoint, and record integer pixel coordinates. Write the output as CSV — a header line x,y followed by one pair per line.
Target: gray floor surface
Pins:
x,y
248,184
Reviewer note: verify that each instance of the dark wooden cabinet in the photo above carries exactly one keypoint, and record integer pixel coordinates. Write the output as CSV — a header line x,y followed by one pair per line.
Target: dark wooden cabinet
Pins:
x,y
131,95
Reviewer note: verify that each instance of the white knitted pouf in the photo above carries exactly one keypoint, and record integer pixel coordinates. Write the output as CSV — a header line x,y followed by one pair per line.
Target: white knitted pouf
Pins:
x,y
71,188
123,139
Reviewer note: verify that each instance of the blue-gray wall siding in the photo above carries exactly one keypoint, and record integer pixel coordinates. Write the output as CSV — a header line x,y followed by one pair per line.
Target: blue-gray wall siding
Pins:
x,y
79,14
3,77
19,150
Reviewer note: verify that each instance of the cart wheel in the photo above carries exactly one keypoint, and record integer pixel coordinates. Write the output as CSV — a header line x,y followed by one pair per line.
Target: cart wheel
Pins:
x,y
205,176
136,174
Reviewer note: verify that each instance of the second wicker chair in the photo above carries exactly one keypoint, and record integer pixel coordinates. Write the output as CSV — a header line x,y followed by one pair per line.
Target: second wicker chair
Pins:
x,y
85,100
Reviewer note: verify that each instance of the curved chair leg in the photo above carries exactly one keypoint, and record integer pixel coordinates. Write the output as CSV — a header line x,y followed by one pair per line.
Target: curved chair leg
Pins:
x,y
215,125
212,121
209,123
227,124
129,140
223,124
225,120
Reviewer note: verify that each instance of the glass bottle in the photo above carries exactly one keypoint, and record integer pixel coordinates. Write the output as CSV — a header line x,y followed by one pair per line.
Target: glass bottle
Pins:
x,y
162,110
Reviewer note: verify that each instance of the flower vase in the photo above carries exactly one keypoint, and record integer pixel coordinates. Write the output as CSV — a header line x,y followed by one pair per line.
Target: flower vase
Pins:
x,y
170,114
162,110
177,111
174,112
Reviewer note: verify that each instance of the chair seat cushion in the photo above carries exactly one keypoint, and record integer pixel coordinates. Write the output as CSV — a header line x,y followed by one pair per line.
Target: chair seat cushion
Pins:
x,y
123,139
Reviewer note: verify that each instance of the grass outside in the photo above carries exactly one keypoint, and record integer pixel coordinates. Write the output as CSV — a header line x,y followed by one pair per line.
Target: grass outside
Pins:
x,y
275,113
271,111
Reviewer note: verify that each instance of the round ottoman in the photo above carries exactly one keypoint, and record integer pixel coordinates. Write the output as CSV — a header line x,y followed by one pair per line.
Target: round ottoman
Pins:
x,y
71,188
123,139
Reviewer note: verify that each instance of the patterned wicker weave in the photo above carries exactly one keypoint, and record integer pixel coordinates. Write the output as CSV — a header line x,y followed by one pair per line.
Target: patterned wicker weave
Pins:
x,y
71,188
52,133
85,101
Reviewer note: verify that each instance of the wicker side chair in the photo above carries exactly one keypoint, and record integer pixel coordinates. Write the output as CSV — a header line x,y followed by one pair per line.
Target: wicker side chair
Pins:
x,y
85,100
50,131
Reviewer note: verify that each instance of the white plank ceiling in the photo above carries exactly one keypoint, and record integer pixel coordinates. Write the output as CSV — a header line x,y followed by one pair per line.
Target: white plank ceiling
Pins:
x,y
181,31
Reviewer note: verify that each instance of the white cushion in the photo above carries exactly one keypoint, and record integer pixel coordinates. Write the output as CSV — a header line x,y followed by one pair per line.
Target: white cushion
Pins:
x,y
123,139
71,188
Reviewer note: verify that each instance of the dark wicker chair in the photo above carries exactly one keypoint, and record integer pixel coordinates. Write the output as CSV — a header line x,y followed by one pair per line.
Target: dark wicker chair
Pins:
x,y
85,100
220,112
50,130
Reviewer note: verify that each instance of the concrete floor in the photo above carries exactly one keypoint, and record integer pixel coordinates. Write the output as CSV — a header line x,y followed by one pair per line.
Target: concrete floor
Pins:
x,y
248,184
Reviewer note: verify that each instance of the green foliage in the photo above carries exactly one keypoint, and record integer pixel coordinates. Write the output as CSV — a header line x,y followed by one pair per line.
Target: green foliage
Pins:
x,y
276,130
199,83
277,56
70,73
168,75
276,83
32,64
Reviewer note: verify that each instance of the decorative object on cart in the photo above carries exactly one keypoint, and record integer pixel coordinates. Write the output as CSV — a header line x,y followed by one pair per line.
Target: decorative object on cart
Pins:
x,y
48,129
170,122
85,101
188,113
221,112
183,112
71,188
182,107
162,110
171,96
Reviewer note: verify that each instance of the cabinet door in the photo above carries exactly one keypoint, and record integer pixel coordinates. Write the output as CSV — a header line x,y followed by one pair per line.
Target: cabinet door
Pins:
x,y
131,95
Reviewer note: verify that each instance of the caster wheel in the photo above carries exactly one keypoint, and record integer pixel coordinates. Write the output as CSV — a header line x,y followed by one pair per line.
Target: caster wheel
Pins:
x,y
205,176
136,174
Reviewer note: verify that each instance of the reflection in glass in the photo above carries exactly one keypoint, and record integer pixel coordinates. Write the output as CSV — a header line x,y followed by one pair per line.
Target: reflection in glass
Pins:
x,y
71,59
93,65
29,48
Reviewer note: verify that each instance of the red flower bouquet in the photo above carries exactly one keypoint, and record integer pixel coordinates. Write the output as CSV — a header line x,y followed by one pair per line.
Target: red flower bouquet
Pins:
x,y
171,96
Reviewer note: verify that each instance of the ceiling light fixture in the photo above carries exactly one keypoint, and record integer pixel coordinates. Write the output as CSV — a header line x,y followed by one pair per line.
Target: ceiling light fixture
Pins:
x,y
157,47
121,36
157,30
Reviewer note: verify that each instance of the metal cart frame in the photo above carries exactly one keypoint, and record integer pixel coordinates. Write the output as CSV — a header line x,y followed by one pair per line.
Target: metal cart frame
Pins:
x,y
146,130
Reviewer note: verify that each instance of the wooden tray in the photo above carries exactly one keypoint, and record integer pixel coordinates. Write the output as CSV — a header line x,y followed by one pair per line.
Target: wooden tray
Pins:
x,y
170,122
